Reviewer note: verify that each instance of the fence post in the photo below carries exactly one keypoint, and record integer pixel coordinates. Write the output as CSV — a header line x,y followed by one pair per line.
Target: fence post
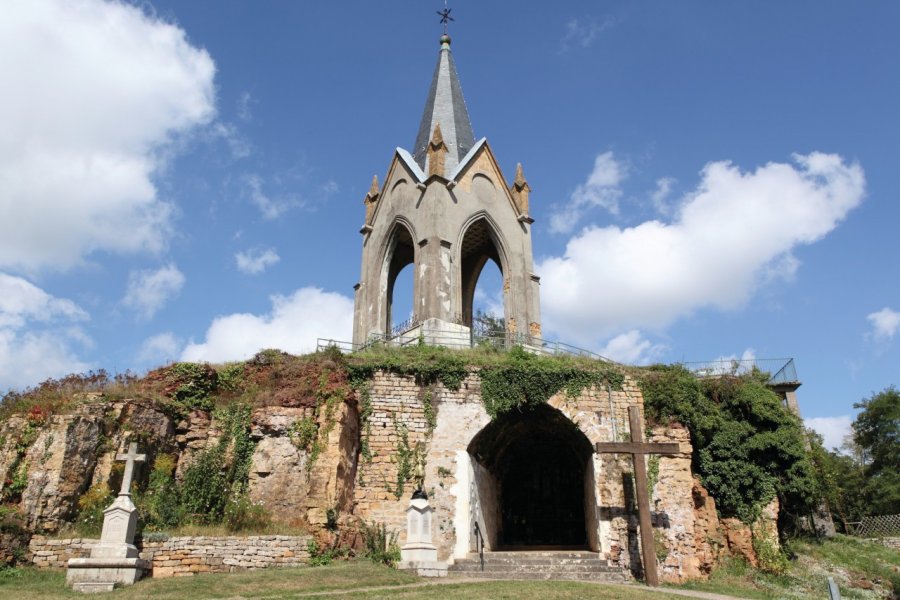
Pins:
x,y
833,590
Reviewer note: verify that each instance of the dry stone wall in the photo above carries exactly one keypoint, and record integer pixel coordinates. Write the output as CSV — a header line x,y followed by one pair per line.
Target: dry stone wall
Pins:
x,y
179,556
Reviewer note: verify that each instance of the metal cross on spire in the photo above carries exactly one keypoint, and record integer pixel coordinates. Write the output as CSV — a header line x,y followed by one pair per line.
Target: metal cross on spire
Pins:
x,y
445,16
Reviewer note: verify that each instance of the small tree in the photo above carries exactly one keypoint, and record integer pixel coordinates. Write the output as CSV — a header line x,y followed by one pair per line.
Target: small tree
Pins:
x,y
876,431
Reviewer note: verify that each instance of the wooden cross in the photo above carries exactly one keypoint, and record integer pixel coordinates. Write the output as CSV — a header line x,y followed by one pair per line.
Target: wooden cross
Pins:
x,y
130,458
637,447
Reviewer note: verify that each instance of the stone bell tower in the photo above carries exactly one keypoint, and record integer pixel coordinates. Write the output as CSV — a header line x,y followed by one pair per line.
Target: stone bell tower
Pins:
x,y
447,209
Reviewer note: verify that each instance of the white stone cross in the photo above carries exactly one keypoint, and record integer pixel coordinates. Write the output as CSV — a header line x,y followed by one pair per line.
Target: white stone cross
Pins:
x,y
130,458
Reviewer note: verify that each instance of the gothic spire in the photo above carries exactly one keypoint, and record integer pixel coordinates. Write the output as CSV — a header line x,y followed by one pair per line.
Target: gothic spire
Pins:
x,y
445,106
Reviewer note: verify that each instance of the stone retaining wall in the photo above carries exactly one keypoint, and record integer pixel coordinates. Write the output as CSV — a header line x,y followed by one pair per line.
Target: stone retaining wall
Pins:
x,y
179,556
891,542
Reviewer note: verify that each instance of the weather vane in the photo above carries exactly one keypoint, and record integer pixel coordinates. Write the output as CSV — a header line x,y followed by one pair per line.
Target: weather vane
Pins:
x,y
445,16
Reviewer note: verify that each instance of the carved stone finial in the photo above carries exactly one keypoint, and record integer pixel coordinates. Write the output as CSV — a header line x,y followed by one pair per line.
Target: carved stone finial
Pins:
x,y
370,200
520,190
437,150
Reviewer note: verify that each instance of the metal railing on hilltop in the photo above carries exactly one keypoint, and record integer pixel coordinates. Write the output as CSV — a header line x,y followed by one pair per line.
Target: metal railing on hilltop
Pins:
x,y
781,371
409,334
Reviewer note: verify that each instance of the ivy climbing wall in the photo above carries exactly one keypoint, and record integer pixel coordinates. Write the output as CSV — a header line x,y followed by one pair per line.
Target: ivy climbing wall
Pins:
x,y
408,419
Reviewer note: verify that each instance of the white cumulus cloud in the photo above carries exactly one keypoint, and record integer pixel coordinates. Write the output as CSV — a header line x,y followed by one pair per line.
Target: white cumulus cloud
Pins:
x,y
148,291
726,238
38,334
885,323
160,347
832,429
22,301
293,325
601,189
256,260
632,348
94,93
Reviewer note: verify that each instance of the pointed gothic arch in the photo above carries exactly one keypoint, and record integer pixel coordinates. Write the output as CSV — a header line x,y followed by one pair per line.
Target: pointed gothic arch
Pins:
x,y
479,242
399,252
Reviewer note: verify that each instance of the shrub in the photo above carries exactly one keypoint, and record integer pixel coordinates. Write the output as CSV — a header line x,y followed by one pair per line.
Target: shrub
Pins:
x,y
241,514
381,544
319,557
91,505
748,447
160,504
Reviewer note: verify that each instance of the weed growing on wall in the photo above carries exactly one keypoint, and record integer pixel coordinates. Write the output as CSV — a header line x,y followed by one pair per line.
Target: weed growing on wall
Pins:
x,y
16,477
522,379
509,380
748,447
91,505
213,489
380,544
192,385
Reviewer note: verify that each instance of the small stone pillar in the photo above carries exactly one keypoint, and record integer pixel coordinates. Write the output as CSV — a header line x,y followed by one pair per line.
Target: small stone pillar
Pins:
x,y
418,553
114,560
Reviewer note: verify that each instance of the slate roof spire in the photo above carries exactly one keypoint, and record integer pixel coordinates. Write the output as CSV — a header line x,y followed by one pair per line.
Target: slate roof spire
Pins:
x,y
445,107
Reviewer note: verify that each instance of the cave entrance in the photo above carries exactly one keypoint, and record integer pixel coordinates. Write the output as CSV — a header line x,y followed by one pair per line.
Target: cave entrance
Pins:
x,y
533,481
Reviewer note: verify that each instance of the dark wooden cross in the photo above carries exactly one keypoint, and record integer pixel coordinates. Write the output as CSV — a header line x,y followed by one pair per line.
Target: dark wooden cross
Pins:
x,y
637,448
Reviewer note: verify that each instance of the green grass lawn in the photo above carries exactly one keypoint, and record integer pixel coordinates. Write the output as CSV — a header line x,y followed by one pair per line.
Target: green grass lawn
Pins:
x,y
862,569
288,583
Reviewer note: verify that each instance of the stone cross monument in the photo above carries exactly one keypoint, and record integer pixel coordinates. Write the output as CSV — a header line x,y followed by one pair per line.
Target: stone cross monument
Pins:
x,y
114,560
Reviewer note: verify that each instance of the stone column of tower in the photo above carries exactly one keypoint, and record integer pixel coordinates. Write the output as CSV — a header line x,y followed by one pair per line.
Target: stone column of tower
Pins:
x,y
447,209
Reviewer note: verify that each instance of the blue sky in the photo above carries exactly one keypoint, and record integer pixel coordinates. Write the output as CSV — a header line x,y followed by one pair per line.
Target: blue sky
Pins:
x,y
185,180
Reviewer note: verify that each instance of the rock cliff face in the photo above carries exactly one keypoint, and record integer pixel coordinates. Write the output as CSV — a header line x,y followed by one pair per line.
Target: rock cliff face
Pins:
x,y
354,473
72,452
691,539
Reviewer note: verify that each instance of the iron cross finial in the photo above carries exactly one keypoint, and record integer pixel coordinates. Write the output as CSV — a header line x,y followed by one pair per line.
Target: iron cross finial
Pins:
x,y
445,16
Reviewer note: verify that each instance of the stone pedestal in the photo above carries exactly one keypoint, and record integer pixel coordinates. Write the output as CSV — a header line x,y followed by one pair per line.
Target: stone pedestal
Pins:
x,y
114,560
418,553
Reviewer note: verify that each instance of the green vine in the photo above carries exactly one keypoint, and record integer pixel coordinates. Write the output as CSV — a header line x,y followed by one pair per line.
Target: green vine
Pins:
x,y
427,399
525,379
509,380
748,447
404,456
16,477
365,415
220,474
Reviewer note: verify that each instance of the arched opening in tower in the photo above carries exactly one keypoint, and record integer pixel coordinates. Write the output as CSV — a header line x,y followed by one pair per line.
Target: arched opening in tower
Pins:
x,y
534,481
400,261
478,247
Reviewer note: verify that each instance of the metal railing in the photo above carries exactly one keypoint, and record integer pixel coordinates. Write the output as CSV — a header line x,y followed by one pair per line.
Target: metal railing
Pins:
x,y
462,339
479,545
407,325
780,370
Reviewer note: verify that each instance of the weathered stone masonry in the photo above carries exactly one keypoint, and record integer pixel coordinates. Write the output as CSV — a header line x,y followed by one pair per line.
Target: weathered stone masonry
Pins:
x,y
179,556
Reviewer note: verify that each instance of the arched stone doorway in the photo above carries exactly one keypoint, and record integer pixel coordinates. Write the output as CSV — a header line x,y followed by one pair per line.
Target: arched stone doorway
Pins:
x,y
533,481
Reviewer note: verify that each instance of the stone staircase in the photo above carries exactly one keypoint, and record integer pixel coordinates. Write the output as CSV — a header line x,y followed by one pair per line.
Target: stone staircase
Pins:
x,y
564,564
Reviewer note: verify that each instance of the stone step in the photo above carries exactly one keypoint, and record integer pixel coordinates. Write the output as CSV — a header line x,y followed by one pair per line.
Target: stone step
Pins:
x,y
532,569
617,576
571,565
537,561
